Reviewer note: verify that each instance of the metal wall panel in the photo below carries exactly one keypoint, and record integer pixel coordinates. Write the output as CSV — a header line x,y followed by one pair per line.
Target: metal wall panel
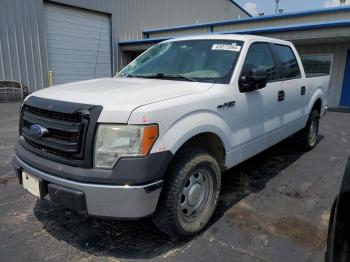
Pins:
x,y
140,15
131,17
23,52
22,43
78,43
175,33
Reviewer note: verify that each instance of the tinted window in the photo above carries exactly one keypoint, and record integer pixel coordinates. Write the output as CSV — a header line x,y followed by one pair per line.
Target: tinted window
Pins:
x,y
289,64
259,56
317,64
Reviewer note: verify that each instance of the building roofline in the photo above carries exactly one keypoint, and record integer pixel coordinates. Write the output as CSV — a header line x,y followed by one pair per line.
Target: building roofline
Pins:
x,y
292,27
284,28
250,19
241,8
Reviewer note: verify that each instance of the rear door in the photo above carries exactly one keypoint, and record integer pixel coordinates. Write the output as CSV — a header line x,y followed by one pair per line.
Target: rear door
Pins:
x,y
293,86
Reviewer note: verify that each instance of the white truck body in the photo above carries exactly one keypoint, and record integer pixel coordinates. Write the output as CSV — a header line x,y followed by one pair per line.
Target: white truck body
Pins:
x,y
185,109
245,123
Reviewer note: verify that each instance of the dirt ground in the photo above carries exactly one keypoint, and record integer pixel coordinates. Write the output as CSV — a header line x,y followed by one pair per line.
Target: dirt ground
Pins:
x,y
273,207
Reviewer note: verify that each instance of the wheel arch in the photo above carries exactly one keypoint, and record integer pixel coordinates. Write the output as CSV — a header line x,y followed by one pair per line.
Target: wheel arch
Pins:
x,y
318,105
204,130
209,142
316,101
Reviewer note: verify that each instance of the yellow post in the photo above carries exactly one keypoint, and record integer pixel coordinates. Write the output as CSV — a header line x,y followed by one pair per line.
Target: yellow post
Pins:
x,y
50,78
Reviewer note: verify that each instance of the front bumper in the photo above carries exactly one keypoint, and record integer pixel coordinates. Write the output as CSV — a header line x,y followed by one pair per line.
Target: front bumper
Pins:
x,y
106,200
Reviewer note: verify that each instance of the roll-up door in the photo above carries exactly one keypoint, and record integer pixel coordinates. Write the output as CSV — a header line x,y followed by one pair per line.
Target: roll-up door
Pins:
x,y
78,44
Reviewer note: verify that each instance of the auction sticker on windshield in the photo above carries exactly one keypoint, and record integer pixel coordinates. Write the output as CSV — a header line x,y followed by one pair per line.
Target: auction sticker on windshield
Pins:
x,y
234,47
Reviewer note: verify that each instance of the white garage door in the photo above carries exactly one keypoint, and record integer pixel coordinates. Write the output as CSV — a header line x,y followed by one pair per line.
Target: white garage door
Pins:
x,y
78,44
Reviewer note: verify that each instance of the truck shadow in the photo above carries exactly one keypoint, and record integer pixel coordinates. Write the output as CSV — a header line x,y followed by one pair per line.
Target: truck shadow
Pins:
x,y
252,175
140,239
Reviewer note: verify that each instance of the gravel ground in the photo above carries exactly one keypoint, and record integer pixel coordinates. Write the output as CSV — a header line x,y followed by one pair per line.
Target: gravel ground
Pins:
x,y
273,207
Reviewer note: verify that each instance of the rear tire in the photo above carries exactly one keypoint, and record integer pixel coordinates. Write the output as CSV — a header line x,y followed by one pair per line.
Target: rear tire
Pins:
x,y
190,194
308,136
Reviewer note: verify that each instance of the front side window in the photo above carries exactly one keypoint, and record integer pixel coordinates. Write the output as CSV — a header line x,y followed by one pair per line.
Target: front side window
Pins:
x,y
211,61
259,56
289,64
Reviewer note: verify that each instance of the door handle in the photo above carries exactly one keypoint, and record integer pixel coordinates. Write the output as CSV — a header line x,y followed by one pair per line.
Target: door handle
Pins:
x,y
281,95
303,90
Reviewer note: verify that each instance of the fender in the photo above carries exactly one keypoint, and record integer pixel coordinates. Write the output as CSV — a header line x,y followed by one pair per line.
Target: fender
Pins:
x,y
192,124
317,94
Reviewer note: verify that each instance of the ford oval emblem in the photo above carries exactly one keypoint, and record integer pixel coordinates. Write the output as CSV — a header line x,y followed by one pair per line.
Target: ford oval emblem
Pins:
x,y
37,130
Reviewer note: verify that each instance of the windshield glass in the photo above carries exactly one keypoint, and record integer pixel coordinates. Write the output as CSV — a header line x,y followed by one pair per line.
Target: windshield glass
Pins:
x,y
210,61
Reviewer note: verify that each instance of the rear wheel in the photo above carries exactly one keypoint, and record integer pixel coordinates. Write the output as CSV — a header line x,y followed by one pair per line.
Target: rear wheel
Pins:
x,y
308,136
190,194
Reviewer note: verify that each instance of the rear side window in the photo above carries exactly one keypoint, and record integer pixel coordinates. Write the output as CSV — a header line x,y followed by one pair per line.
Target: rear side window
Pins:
x,y
315,65
259,56
289,65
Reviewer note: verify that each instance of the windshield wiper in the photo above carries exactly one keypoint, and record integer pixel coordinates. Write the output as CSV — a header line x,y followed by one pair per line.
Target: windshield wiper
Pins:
x,y
177,76
167,76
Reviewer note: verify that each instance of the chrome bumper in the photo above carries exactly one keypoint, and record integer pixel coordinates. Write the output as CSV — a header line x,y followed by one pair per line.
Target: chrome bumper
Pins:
x,y
324,111
124,202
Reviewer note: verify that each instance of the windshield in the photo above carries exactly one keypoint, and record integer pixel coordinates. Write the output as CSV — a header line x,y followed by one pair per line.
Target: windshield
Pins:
x,y
210,61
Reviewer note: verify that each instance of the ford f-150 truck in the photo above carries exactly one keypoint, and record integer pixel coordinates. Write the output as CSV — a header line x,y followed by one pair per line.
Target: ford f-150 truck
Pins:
x,y
154,140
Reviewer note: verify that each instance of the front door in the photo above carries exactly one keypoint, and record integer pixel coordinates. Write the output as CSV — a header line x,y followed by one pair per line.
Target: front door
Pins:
x,y
345,95
259,110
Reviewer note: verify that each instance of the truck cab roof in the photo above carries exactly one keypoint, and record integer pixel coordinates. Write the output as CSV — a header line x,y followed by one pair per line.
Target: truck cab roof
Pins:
x,y
245,38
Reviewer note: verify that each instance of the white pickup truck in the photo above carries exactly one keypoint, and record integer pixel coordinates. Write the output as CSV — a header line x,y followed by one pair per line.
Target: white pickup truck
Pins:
x,y
154,140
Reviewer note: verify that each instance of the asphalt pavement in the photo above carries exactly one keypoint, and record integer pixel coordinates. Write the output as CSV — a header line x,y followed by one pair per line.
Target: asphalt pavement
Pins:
x,y
273,207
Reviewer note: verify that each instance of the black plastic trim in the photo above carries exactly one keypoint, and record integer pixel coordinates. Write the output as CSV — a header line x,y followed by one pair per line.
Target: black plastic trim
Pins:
x,y
67,197
274,57
90,114
131,171
17,170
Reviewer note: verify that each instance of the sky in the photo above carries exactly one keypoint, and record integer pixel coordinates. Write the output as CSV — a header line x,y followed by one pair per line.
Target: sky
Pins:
x,y
268,6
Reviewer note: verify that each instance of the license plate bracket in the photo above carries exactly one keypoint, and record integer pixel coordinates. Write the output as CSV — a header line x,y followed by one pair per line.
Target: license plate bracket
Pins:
x,y
33,185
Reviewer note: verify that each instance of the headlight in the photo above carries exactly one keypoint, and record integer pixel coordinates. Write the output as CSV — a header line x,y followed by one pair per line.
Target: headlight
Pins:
x,y
115,141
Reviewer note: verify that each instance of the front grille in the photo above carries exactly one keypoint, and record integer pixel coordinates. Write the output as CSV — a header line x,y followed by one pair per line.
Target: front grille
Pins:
x,y
69,130
65,134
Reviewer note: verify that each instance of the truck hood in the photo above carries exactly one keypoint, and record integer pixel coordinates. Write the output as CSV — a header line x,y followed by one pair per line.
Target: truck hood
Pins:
x,y
120,96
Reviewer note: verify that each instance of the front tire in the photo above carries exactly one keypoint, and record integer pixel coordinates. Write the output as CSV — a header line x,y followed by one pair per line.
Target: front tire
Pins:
x,y
190,194
308,136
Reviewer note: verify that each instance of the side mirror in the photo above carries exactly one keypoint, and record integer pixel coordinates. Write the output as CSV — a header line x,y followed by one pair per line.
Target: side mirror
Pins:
x,y
256,79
